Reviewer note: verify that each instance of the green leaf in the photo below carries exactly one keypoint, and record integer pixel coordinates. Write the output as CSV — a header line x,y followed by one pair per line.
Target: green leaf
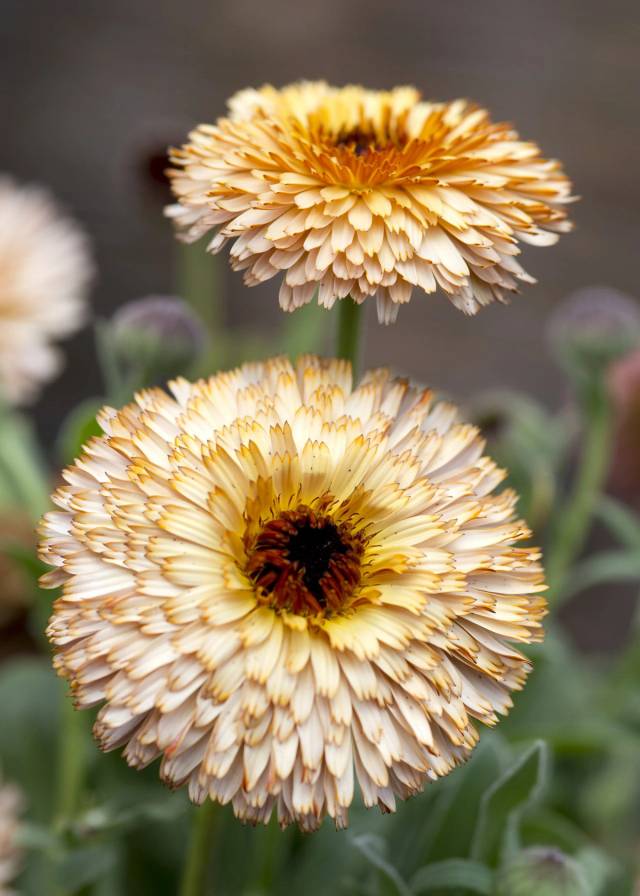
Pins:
x,y
561,678
504,802
373,848
86,865
78,427
544,825
22,468
448,831
606,567
112,816
598,870
30,700
621,521
454,874
37,837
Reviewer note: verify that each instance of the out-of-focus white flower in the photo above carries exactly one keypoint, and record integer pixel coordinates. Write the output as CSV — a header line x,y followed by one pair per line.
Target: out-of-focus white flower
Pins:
x,y
45,269
10,853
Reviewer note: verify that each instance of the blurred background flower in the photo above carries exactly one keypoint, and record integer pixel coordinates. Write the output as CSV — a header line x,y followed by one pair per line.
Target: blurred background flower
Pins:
x,y
10,851
45,269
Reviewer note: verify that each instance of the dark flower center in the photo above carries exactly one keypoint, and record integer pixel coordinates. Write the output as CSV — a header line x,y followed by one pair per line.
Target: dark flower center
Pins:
x,y
304,562
362,141
359,142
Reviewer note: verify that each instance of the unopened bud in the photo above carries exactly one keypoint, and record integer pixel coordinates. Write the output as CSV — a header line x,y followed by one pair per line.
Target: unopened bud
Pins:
x,y
541,871
159,334
593,327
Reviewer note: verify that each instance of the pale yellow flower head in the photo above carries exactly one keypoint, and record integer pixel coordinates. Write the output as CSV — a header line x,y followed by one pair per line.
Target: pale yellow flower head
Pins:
x,y
45,268
280,583
346,191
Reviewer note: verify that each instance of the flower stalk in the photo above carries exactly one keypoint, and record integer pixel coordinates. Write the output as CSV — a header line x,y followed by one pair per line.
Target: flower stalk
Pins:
x,y
194,877
575,518
197,282
71,762
349,336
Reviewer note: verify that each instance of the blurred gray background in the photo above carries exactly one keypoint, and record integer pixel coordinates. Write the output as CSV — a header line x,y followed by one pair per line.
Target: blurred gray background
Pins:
x,y
90,92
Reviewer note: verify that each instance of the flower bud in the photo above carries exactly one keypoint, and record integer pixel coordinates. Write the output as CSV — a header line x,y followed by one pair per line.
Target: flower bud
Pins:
x,y
541,871
593,327
159,335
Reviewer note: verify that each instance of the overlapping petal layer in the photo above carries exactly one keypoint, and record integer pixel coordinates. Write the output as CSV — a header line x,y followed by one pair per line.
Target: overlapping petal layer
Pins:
x,y
368,193
247,695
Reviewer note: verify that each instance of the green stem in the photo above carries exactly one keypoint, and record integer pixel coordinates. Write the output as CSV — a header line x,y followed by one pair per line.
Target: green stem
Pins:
x,y
23,479
349,331
270,842
197,282
71,762
575,517
115,387
194,877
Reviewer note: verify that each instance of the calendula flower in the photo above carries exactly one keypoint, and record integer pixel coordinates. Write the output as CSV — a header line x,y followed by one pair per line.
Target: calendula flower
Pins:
x,y
10,852
280,583
358,192
45,269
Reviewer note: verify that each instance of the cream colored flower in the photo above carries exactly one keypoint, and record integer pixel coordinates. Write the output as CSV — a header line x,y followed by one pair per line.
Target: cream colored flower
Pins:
x,y
10,852
280,583
44,273
358,192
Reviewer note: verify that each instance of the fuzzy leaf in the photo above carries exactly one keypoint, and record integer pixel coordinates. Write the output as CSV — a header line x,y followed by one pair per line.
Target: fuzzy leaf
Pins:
x,y
606,567
454,874
86,865
503,803
76,430
22,468
373,848
621,521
